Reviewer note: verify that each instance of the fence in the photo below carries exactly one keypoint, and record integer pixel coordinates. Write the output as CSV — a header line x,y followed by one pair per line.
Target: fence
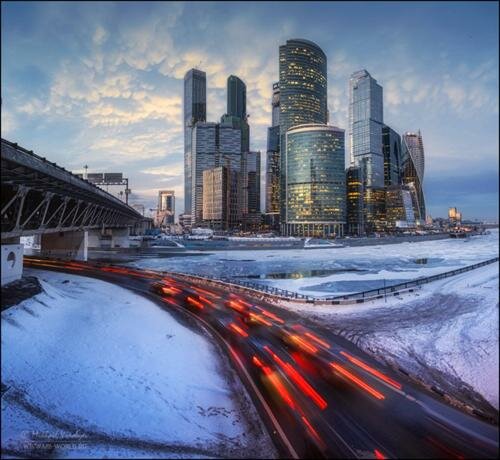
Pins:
x,y
357,296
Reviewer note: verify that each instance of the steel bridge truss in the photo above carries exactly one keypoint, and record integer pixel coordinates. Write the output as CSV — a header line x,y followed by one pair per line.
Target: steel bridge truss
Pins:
x,y
41,197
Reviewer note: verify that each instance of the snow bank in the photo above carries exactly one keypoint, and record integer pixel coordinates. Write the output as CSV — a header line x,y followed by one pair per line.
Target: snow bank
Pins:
x,y
446,333
98,357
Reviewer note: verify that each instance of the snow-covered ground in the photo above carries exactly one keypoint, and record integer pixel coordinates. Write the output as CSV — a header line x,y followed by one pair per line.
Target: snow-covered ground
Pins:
x,y
326,272
92,358
446,333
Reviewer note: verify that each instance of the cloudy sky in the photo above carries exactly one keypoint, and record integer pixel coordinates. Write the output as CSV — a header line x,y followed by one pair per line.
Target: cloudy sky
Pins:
x,y
100,83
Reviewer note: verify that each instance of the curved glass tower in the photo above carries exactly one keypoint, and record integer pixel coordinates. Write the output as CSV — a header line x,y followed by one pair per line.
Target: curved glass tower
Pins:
x,y
303,94
236,97
315,181
412,171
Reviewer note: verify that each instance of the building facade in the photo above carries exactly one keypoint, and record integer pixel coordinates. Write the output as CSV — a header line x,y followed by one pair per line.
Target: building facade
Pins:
x,y
354,201
236,97
315,181
303,95
391,148
366,119
250,184
165,213
399,207
273,158
220,190
213,145
412,170
195,110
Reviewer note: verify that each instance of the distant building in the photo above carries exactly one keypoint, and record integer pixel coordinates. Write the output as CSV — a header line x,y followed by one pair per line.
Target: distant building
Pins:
x,y
195,110
366,118
354,201
273,159
315,181
185,221
391,148
236,97
399,207
412,170
214,145
454,216
220,191
250,189
303,96
165,212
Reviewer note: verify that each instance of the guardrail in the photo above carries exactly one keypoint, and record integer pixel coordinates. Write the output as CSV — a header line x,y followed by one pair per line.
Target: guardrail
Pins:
x,y
357,297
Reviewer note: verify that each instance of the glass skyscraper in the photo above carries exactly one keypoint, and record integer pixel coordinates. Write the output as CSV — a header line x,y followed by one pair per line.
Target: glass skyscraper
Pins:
x,y
365,127
195,109
391,147
236,97
315,181
303,95
273,156
413,164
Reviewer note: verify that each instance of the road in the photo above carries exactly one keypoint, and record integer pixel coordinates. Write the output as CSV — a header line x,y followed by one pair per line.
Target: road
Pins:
x,y
319,395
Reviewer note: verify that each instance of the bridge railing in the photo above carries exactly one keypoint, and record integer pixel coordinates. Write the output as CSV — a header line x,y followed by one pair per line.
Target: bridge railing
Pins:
x,y
358,296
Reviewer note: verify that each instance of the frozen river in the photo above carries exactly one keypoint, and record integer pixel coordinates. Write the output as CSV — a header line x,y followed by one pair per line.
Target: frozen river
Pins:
x,y
325,272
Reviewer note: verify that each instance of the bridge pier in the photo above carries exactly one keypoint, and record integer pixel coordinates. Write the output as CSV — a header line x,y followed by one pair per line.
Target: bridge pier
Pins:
x,y
65,245
12,260
120,237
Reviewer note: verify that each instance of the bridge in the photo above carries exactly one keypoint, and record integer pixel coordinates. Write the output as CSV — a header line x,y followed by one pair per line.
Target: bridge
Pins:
x,y
41,198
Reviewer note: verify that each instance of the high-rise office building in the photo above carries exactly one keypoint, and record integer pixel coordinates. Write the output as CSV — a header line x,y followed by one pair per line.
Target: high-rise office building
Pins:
x,y
412,169
315,181
399,207
366,119
354,201
213,145
220,207
273,157
391,147
236,97
250,183
166,207
303,95
195,110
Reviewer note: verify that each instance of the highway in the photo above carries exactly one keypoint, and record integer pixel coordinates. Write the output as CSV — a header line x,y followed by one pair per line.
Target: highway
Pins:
x,y
318,394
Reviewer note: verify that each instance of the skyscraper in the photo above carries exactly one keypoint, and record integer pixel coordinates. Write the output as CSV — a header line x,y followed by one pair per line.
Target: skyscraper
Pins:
x,y
391,147
303,95
250,184
195,109
236,97
315,179
412,171
354,201
213,145
365,126
273,156
166,207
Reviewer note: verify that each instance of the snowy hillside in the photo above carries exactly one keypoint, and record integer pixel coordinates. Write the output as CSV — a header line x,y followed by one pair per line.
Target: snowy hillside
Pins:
x,y
124,373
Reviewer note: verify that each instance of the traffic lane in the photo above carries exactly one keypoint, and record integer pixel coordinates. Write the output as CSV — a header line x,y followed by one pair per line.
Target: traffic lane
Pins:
x,y
127,271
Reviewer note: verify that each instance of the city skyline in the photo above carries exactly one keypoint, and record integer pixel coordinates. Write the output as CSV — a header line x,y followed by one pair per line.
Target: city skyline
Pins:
x,y
113,93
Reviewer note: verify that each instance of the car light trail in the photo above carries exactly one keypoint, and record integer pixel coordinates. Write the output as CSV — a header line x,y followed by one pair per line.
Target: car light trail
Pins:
x,y
379,454
372,371
236,306
170,290
304,344
449,452
194,302
270,315
208,302
238,329
304,386
275,381
207,293
259,319
357,381
317,339
311,430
